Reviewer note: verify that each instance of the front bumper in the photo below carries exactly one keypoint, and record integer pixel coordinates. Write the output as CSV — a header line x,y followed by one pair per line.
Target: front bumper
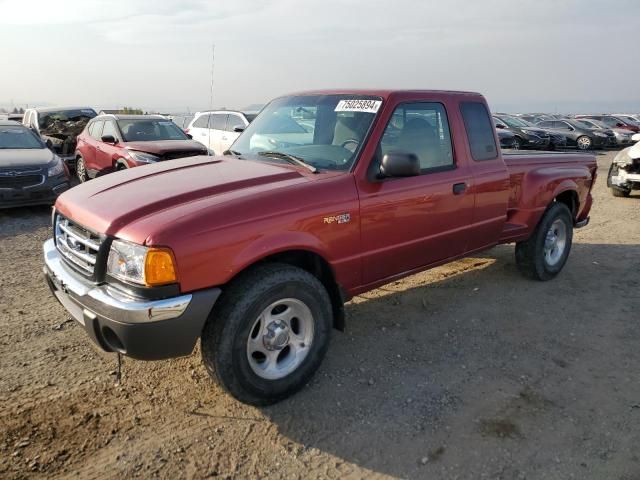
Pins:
x,y
136,327
44,194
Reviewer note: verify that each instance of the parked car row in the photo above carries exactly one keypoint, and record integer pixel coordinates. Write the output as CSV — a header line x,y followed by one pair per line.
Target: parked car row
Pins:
x,y
550,131
91,145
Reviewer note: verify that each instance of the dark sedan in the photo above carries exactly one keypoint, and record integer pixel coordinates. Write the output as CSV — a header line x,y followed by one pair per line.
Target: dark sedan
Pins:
x,y
30,173
577,134
526,135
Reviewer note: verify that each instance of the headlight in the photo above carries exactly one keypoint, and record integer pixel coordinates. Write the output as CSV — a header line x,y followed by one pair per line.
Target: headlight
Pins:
x,y
599,134
141,265
56,167
143,157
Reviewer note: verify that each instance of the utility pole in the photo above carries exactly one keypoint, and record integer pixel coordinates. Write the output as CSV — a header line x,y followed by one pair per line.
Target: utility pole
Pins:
x,y
213,57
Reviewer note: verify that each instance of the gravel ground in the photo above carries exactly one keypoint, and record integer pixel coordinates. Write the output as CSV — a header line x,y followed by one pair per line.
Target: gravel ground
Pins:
x,y
467,371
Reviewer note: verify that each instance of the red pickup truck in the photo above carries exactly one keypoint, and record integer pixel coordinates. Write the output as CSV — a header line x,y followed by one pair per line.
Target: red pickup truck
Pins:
x,y
324,195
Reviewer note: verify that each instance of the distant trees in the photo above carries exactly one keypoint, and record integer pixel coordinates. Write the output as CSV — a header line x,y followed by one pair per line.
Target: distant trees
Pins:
x,y
18,110
131,111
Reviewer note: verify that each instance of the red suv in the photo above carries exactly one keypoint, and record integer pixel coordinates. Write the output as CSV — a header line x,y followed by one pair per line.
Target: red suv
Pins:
x,y
116,142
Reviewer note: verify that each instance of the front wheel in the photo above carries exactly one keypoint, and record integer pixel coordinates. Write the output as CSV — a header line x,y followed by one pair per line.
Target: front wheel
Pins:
x,y
584,143
517,143
269,333
544,254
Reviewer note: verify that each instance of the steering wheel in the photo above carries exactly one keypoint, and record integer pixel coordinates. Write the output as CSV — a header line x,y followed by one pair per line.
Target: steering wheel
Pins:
x,y
353,141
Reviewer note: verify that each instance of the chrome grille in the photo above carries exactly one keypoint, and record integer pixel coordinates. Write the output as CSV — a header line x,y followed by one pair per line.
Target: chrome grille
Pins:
x,y
76,244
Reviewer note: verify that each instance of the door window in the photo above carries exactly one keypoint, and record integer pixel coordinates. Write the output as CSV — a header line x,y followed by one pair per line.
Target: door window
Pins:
x,y
96,130
421,129
234,121
482,141
219,121
202,121
109,129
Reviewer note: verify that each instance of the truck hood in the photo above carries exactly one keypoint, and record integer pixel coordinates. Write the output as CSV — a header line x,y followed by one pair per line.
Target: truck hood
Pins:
x,y
163,147
164,192
25,157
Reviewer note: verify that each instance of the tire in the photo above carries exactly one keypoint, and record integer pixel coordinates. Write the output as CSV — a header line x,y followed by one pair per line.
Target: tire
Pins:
x,y
536,257
616,191
517,143
244,347
584,143
81,170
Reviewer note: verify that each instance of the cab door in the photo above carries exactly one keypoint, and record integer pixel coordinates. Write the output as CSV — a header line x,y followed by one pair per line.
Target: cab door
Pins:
x,y
106,152
217,132
199,131
491,184
89,146
409,223
230,135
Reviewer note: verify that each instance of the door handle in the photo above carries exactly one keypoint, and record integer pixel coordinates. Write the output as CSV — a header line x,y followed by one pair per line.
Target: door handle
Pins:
x,y
459,188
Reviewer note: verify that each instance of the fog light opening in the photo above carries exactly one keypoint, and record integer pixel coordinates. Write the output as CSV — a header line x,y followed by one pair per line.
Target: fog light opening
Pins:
x,y
112,340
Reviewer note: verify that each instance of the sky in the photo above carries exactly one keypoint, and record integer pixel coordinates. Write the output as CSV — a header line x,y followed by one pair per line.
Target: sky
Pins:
x,y
524,55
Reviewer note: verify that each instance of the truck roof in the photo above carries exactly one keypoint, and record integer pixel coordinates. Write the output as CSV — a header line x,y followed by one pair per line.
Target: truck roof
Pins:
x,y
384,93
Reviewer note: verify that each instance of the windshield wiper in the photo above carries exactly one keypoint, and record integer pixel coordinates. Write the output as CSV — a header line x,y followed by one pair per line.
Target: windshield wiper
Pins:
x,y
290,158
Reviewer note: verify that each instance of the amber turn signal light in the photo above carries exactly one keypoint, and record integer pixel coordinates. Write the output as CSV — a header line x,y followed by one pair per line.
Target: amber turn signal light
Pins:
x,y
159,267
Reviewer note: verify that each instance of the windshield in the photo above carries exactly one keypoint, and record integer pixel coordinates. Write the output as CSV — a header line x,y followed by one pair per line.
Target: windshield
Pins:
x,y
629,120
45,119
324,131
19,138
515,122
149,130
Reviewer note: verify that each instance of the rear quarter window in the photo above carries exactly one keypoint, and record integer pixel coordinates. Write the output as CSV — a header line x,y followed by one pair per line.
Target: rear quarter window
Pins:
x,y
477,123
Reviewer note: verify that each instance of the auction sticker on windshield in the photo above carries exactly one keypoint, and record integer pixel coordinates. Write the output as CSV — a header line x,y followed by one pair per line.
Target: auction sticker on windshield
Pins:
x,y
369,106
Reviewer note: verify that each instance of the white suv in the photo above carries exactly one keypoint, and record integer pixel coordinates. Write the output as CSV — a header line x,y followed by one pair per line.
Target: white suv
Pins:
x,y
217,130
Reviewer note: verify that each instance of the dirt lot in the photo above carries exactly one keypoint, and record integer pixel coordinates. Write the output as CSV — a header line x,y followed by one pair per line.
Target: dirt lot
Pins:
x,y
468,371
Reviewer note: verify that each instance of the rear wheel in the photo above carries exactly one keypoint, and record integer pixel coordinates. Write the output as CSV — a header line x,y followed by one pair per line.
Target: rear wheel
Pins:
x,y
544,254
269,333
584,143
81,170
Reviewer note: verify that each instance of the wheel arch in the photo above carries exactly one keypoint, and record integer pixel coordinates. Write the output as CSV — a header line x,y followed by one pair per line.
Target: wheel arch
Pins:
x,y
319,267
120,163
571,199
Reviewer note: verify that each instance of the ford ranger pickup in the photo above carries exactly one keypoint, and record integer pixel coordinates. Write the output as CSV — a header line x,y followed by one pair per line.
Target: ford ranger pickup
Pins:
x,y
325,195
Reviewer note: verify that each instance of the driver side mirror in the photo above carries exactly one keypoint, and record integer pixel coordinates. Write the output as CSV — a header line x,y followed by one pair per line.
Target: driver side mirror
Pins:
x,y
619,124
399,164
238,128
189,136
500,125
109,139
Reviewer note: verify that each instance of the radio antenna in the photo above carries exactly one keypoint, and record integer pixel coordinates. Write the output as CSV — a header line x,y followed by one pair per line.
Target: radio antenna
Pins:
x,y
213,56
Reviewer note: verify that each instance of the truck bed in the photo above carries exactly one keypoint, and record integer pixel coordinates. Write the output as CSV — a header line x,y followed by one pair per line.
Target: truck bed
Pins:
x,y
535,174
